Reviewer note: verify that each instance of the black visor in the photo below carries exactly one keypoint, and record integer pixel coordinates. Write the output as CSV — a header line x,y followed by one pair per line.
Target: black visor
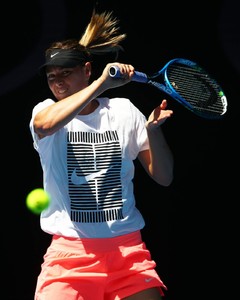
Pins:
x,y
65,58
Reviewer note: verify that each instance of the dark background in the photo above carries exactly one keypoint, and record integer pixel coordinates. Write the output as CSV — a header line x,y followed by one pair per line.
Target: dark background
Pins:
x,y
191,225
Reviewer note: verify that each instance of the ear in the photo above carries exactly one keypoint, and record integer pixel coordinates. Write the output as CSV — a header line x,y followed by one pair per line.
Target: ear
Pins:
x,y
88,69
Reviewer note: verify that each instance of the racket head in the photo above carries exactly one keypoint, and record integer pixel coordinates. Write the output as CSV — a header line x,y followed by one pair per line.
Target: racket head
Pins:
x,y
194,88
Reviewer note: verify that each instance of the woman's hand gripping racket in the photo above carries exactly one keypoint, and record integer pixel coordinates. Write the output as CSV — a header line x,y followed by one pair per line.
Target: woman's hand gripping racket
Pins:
x,y
189,84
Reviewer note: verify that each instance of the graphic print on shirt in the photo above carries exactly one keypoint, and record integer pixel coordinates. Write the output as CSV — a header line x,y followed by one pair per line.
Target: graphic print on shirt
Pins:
x,y
94,165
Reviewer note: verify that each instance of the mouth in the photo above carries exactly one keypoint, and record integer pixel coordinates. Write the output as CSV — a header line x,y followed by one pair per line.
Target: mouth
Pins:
x,y
62,91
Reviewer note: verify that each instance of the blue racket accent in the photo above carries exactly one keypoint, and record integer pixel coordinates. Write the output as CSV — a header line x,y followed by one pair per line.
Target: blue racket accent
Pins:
x,y
137,76
189,84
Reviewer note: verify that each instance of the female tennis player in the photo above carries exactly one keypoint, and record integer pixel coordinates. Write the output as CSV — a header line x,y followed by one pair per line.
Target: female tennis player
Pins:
x,y
87,145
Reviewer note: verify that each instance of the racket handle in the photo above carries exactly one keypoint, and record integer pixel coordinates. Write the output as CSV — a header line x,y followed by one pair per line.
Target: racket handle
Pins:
x,y
137,76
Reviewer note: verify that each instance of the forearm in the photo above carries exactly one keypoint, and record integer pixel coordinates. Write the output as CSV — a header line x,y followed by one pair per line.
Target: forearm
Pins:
x,y
55,116
161,157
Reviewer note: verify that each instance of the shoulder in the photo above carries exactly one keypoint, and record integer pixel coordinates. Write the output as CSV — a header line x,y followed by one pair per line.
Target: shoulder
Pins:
x,y
45,103
126,106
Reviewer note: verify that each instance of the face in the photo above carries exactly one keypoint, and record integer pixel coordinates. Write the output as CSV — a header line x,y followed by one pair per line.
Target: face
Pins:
x,y
64,82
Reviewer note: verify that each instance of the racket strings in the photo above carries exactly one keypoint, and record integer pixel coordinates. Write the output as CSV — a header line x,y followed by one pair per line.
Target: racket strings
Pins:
x,y
197,88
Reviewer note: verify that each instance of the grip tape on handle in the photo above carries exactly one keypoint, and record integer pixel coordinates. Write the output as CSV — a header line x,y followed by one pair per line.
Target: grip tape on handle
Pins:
x,y
138,76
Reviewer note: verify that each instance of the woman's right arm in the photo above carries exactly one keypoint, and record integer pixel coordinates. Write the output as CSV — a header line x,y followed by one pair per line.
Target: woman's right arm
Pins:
x,y
57,115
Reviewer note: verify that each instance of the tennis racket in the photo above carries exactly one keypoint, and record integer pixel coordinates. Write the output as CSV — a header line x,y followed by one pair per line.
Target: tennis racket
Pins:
x,y
189,84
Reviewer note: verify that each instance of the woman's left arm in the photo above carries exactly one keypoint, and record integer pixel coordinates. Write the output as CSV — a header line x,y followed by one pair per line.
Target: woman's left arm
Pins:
x,y
158,160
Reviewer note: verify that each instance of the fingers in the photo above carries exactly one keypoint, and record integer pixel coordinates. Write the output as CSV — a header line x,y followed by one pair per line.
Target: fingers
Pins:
x,y
159,115
163,105
125,70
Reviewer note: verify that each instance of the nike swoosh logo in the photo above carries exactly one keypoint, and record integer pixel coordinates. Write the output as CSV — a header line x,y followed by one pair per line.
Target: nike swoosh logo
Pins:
x,y
78,180
148,279
52,55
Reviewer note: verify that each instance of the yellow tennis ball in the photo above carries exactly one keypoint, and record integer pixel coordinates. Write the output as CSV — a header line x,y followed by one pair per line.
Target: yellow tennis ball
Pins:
x,y
37,200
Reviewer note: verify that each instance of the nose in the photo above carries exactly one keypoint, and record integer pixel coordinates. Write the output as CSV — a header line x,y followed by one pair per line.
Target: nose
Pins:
x,y
59,81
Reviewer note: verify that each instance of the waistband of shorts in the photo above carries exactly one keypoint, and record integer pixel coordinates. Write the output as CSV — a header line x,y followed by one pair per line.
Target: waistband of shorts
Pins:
x,y
97,244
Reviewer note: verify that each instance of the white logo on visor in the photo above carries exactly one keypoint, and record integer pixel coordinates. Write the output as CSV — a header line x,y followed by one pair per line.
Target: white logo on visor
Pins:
x,y
52,55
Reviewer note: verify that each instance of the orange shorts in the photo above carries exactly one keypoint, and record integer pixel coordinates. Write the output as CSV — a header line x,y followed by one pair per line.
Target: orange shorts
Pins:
x,y
102,269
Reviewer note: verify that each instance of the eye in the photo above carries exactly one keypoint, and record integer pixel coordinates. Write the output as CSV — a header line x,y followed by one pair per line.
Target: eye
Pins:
x,y
66,73
50,77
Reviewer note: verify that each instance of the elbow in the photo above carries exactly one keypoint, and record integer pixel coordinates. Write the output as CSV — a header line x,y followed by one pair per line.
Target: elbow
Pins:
x,y
164,176
165,181
43,129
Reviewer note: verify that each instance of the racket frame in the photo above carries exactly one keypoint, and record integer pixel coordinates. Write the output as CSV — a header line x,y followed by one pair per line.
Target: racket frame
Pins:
x,y
168,88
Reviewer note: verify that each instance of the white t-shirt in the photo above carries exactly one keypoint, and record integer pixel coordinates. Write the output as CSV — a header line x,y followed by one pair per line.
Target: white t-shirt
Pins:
x,y
88,170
